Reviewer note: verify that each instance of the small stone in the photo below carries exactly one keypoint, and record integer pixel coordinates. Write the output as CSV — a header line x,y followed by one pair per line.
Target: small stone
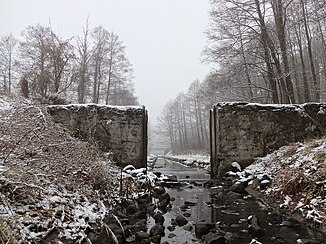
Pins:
x,y
164,201
264,184
188,203
140,235
201,229
194,183
171,228
188,227
172,177
171,235
159,190
238,187
212,238
184,208
159,218
236,167
157,230
287,224
155,239
308,241
181,220
229,236
187,214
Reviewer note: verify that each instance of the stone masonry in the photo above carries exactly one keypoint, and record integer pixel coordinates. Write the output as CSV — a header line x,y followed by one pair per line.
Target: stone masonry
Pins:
x,y
243,131
119,130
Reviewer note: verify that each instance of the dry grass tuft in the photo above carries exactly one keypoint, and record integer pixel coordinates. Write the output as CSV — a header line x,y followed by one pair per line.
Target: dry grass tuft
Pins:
x,y
303,178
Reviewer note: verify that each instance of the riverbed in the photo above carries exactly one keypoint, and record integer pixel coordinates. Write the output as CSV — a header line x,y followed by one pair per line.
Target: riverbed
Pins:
x,y
230,212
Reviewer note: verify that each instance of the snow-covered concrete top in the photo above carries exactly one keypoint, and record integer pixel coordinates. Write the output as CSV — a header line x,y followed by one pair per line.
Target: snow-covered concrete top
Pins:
x,y
77,106
260,106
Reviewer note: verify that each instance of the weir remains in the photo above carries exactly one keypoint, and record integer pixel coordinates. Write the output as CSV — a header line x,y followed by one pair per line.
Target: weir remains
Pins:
x,y
119,130
242,131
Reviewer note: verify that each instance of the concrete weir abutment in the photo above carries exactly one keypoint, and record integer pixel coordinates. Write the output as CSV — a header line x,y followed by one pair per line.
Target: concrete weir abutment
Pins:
x,y
120,130
243,131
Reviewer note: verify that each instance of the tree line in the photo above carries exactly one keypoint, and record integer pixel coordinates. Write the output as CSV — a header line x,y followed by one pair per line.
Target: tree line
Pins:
x,y
266,51
91,67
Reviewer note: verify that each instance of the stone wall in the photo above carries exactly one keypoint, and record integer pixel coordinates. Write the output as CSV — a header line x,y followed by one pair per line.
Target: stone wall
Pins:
x,y
116,129
242,131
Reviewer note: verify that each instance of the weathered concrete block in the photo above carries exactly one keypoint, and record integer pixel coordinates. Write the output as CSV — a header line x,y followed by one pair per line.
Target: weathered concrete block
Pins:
x,y
242,131
117,129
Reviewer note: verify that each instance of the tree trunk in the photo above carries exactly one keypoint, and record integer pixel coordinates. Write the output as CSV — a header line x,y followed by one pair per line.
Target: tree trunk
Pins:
x,y
267,59
311,58
280,27
306,88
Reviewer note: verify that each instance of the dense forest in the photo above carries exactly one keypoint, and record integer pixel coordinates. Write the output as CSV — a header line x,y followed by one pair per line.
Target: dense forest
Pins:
x,y
91,67
266,51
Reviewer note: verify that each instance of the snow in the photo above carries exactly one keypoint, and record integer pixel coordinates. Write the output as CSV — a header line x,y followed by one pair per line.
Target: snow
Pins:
x,y
265,182
254,241
82,214
192,160
236,165
77,106
287,201
141,176
4,105
314,215
291,169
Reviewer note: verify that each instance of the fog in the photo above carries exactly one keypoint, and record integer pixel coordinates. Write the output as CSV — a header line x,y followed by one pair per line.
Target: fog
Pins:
x,y
163,38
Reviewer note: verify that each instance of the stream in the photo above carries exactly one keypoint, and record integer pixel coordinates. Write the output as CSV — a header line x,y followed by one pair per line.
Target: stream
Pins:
x,y
229,211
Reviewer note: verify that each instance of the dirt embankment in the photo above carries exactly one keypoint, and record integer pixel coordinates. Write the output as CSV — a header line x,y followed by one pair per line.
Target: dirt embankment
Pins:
x,y
51,184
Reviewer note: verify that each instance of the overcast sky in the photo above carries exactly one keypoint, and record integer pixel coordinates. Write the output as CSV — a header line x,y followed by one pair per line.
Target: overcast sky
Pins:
x,y
163,38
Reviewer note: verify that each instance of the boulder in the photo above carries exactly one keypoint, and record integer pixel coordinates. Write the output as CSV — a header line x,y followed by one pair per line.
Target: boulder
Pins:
x,y
155,239
157,230
164,201
181,220
201,229
159,218
159,190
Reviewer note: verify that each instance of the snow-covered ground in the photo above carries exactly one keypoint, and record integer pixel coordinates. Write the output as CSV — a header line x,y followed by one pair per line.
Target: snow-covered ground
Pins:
x,y
298,179
192,160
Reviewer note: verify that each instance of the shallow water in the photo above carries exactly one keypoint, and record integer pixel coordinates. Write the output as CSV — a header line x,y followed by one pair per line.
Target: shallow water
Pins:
x,y
230,211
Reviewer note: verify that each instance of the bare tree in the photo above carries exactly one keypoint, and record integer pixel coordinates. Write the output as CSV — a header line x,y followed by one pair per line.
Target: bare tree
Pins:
x,y
60,54
83,58
7,57
34,58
